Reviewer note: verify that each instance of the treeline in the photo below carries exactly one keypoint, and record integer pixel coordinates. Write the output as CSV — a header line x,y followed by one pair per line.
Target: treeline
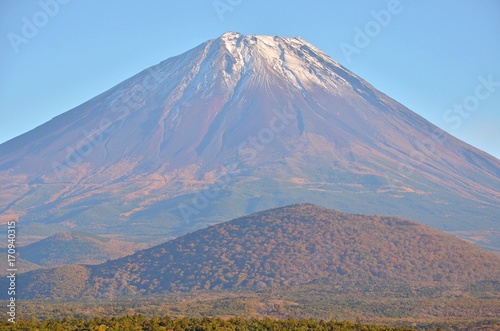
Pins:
x,y
141,323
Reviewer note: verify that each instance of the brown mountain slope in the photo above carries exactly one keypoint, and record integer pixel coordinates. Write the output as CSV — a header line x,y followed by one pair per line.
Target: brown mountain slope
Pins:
x,y
294,245
236,125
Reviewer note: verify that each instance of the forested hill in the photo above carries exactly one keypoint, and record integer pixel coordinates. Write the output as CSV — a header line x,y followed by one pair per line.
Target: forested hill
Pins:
x,y
293,245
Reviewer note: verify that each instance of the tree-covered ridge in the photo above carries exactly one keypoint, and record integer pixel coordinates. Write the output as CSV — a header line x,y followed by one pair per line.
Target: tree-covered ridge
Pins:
x,y
141,323
297,245
288,246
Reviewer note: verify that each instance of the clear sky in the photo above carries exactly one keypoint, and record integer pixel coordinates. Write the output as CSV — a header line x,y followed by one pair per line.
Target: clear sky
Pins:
x,y
439,58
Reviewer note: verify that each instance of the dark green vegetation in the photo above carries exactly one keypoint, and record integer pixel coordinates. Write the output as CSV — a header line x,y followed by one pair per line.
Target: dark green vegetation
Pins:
x,y
140,323
449,307
282,247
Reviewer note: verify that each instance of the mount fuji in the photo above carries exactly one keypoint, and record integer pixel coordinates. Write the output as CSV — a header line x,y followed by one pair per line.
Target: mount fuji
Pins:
x,y
236,125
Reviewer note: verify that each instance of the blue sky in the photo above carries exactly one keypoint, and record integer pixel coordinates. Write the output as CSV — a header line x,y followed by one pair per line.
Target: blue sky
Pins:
x,y
439,58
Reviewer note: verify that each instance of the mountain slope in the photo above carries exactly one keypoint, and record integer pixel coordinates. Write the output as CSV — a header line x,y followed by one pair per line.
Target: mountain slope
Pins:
x,y
249,122
288,246
21,265
76,247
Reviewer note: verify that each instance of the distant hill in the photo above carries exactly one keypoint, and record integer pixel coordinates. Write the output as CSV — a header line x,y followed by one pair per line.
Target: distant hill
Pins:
x,y
289,246
21,265
76,247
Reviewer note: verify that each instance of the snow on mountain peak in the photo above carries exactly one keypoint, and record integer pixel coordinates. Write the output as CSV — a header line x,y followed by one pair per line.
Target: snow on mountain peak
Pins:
x,y
230,35
294,59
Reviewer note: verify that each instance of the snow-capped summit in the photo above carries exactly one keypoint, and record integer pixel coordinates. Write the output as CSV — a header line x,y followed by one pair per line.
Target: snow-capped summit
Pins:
x,y
294,59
